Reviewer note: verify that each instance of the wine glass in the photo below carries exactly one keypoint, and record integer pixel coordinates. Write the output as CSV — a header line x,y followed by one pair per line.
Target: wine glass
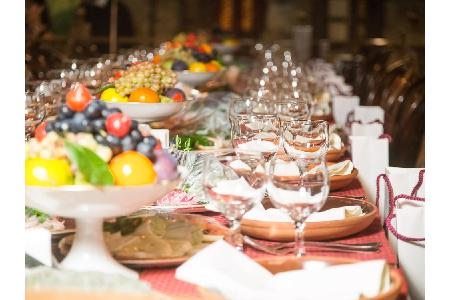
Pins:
x,y
256,132
305,138
234,184
291,110
300,187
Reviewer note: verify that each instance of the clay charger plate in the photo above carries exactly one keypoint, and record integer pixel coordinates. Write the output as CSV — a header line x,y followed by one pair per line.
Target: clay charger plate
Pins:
x,y
335,155
328,118
341,181
315,231
290,263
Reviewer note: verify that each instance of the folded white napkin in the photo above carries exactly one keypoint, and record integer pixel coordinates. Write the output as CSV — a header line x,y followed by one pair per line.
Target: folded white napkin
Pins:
x,y
222,268
259,213
38,244
237,187
335,141
258,146
341,168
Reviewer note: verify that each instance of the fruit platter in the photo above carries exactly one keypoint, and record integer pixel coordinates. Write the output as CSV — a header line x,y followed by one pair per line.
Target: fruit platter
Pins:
x,y
145,92
91,163
194,61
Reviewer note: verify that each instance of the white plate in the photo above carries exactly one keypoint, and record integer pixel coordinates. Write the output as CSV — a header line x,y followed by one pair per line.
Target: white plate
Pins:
x,y
195,79
225,49
147,112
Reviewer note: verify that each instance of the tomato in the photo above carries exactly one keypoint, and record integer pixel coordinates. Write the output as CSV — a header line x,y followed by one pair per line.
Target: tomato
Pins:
x,y
117,74
144,95
39,132
118,124
78,97
132,168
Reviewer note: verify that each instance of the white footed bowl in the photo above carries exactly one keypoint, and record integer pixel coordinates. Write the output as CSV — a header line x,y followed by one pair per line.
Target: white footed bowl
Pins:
x,y
89,206
147,112
225,49
195,79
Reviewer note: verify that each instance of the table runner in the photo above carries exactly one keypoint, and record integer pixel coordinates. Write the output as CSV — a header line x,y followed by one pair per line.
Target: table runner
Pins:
x,y
163,279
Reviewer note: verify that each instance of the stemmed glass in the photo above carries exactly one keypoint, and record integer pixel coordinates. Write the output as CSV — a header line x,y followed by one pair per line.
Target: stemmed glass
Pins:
x,y
234,184
299,187
257,132
305,138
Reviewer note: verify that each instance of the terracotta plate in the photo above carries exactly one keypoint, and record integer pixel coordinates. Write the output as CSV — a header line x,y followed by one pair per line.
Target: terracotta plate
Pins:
x,y
279,264
340,182
328,118
315,231
334,155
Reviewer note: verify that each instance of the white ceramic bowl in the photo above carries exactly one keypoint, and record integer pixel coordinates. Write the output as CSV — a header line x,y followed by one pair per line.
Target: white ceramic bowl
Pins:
x,y
89,206
147,112
225,49
195,79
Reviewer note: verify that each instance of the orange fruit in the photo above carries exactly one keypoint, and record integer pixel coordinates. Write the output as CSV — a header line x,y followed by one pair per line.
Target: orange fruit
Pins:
x,y
212,66
156,59
132,168
197,67
144,95
206,48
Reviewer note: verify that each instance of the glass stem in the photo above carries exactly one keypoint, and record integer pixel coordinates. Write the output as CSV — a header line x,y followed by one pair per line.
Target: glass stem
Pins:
x,y
299,242
235,238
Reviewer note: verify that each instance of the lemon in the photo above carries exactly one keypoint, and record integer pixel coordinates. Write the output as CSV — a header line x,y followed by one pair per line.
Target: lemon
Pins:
x,y
47,172
112,96
197,67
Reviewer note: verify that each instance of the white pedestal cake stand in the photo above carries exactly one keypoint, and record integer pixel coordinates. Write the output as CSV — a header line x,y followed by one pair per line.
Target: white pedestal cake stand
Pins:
x,y
89,206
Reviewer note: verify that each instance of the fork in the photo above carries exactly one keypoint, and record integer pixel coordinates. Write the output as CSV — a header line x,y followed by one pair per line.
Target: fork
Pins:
x,y
287,248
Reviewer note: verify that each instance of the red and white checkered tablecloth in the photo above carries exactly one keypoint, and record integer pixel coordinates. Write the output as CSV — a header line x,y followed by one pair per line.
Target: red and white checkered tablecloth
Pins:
x,y
164,279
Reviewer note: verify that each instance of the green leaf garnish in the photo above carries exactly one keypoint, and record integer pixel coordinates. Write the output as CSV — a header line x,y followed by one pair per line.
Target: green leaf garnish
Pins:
x,y
103,88
192,141
34,212
94,169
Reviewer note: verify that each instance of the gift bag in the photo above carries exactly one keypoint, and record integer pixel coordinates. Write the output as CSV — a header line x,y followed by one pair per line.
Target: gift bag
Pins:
x,y
368,114
342,106
370,156
371,129
405,222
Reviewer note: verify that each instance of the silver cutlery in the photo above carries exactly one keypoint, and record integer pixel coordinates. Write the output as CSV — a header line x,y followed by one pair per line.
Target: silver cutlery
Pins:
x,y
287,248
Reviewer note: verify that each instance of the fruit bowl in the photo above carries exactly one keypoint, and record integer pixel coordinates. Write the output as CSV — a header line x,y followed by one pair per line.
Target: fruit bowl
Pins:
x,y
195,79
89,205
147,112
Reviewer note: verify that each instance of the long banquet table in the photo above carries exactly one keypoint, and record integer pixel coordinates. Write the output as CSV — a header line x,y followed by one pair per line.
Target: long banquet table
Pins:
x,y
163,279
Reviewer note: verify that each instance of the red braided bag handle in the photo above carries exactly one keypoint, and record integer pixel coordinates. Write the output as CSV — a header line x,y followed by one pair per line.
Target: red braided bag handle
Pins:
x,y
393,200
391,216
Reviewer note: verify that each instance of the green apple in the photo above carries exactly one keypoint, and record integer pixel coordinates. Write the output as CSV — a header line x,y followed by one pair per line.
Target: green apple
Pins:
x,y
165,99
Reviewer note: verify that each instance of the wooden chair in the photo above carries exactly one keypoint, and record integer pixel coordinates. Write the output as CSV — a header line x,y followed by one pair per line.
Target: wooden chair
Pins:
x,y
409,126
